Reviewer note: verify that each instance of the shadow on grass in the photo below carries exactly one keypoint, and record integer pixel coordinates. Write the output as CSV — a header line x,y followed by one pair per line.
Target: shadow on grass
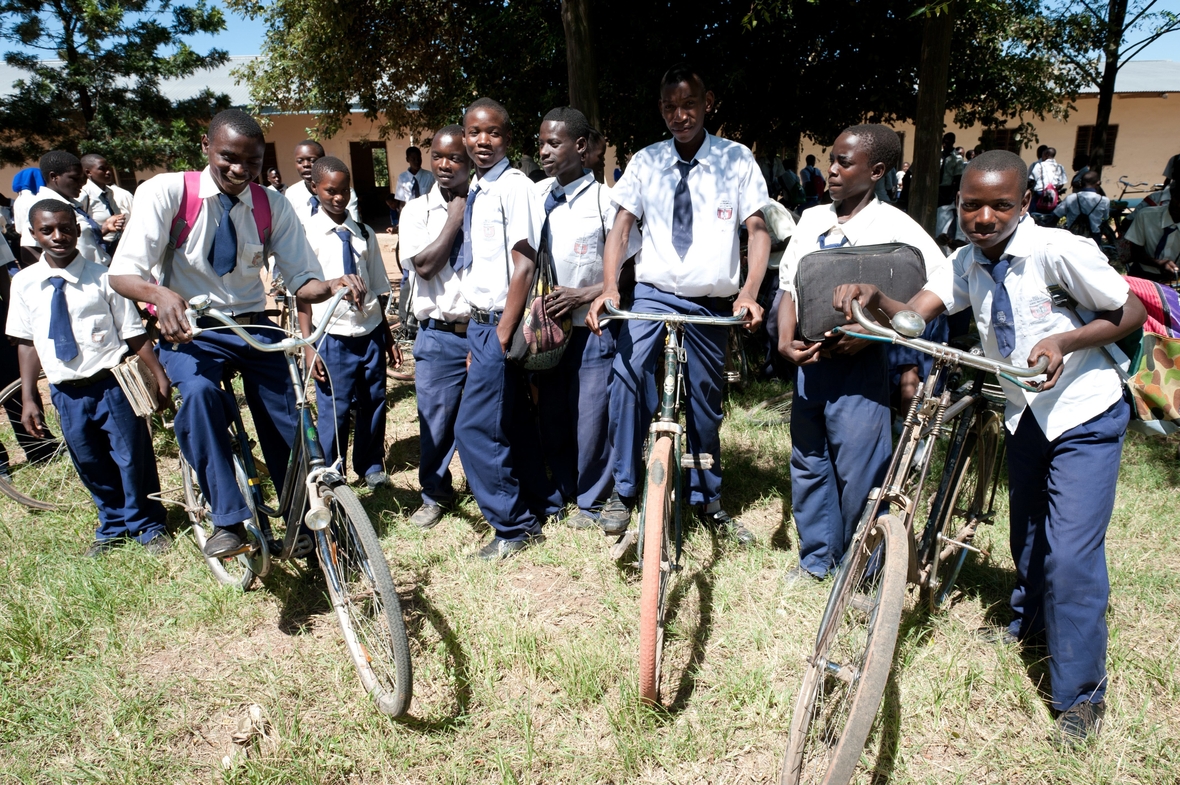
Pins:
x,y
301,593
747,482
419,611
702,579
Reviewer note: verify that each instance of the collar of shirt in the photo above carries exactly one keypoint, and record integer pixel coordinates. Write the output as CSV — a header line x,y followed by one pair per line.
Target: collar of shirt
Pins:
x,y
209,188
1020,247
1166,219
672,156
321,223
72,272
493,174
855,227
574,189
49,193
434,198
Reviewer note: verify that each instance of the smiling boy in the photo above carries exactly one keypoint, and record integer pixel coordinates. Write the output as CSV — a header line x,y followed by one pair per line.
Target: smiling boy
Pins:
x,y
1065,442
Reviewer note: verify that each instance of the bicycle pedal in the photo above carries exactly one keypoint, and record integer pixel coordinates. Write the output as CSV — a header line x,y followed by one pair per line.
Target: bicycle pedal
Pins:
x,y
862,603
625,541
700,460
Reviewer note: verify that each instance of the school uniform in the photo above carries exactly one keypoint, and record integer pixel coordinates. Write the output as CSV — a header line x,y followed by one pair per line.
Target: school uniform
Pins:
x,y
496,431
307,204
1085,202
355,347
573,398
1154,230
410,186
90,242
103,202
1047,173
840,417
688,263
79,326
1064,445
196,368
440,348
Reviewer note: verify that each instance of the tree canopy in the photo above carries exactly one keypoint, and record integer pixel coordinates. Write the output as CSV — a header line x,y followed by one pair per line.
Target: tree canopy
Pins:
x,y
94,69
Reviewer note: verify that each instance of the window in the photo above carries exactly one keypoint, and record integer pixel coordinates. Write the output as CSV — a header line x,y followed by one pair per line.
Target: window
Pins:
x,y
1084,145
1007,139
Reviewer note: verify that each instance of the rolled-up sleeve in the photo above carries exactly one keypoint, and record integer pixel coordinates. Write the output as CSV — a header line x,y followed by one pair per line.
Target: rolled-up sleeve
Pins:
x,y
147,232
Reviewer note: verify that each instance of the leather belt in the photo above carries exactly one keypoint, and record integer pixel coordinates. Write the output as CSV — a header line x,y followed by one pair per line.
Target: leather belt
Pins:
x,y
244,319
101,376
459,328
485,317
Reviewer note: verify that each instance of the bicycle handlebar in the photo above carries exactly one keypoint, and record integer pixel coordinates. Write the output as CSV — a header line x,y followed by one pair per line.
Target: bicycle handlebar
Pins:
x,y
675,318
877,332
199,306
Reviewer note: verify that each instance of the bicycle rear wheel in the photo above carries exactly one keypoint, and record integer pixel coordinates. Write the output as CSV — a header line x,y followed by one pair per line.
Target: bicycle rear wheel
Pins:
x,y
965,507
845,678
366,602
38,473
658,514
237,571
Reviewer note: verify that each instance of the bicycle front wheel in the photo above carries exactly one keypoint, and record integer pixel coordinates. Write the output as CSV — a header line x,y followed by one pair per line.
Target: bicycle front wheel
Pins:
x,y
38,473
367,607
658,519
845,677
236,571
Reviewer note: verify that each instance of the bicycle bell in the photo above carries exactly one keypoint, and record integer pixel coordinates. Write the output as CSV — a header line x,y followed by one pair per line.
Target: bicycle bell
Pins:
x,y
908,324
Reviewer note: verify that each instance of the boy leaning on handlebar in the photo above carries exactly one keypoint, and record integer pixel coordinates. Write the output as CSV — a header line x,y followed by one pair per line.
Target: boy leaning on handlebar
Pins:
x,y
1064,442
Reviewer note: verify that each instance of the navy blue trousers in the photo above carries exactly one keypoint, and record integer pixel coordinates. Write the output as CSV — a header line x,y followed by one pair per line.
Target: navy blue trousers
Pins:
x,y
202,422
574,404
112,451
1061,496
356,375
496,434
440,371
634,398
840,450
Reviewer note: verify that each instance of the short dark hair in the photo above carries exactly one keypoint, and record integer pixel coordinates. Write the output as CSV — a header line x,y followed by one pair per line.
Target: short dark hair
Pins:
x,y
57,162
312,143
682,72
453,130
237,121
327,164
90,160
882,144
1051,152
488,103
1001,162
949,136
413,149
1041,151
810,160
1091,178
51,206
595,137
576,124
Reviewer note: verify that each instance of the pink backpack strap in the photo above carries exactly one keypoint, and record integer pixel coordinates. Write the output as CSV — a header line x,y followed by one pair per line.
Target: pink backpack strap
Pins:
x,y
262,218
190,208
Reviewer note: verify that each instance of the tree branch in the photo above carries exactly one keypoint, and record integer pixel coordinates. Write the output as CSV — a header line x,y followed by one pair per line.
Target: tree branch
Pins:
x,y
1135,19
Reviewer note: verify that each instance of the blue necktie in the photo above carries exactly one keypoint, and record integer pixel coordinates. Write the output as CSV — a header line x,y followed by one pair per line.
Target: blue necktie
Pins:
x,y
94,227
463,259
415,190
1159,247
64,345
551,201
315,204
823,242
1003,326
108,203
223,255
682,211
349,254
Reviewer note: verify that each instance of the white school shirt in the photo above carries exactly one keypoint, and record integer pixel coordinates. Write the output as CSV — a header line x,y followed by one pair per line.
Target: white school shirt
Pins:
x,y
321,234
119,198
21,205
441,297
1149,226
1091,204
145,240
1048,172
1041,257
726,187
299,195
877,223
577,231
781,225
405,184
89,243
101,319
502,215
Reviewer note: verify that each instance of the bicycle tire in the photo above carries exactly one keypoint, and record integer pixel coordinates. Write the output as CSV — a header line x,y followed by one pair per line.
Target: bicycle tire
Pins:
x,y
237,571
365,600
658,511
39,474
827,737
964,508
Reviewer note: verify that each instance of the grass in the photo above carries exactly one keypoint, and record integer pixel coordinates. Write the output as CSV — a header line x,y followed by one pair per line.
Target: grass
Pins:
x,y
133,669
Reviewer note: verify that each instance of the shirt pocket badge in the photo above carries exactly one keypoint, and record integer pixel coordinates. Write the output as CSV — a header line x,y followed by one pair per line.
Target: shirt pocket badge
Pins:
x,y
725,210
489,230
585,246
252,256
1040,308
100,327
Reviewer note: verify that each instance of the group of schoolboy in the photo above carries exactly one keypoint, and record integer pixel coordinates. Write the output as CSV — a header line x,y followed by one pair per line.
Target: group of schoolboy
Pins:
x,y
470,244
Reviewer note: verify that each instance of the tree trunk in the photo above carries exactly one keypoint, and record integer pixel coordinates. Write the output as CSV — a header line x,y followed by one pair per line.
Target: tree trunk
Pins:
x,y
1116,18
579,58
931,114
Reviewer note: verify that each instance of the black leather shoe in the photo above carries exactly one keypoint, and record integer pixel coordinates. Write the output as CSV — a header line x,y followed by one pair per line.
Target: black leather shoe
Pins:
x,y
615,516
581,519
227,541
498,549
158,545
731,527
1077,725
427,516
100,548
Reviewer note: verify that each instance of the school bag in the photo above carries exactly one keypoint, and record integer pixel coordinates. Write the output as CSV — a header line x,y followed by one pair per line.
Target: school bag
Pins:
x,y
814,186
1081,224
1047,200
896,269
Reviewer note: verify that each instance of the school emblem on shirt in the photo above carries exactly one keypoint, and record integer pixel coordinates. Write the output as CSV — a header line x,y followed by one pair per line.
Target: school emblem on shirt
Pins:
x,y
1040,309
725,210
489,230
582,246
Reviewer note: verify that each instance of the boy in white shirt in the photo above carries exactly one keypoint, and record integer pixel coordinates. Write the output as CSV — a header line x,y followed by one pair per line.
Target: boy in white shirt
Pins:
x,y
693,192
840,421
1065,442
63,177
1155,241
413,182
1085,207
68,321
301,194
573,398
103,199
431,236
350,369
496,434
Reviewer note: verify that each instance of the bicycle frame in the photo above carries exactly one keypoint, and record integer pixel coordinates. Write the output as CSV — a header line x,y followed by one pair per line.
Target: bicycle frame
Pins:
x,y
674,359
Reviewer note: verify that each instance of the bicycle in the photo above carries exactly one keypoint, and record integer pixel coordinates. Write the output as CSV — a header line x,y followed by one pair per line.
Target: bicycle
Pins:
x,y
37,473
845,676
662,493
359,583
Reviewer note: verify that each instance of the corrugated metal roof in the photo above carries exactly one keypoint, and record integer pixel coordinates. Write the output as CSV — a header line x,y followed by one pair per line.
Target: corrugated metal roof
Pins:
x,y
1146,76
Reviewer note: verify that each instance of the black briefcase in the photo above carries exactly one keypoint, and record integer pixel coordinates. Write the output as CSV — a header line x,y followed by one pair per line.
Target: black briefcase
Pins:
x,y
896,269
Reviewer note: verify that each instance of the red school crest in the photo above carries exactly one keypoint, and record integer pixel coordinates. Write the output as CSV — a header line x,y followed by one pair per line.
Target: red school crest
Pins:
x,y
581,247
725,211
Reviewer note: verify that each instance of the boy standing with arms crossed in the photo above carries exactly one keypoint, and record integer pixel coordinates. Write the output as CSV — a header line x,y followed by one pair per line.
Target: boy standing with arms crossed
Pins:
x,y
1065,442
